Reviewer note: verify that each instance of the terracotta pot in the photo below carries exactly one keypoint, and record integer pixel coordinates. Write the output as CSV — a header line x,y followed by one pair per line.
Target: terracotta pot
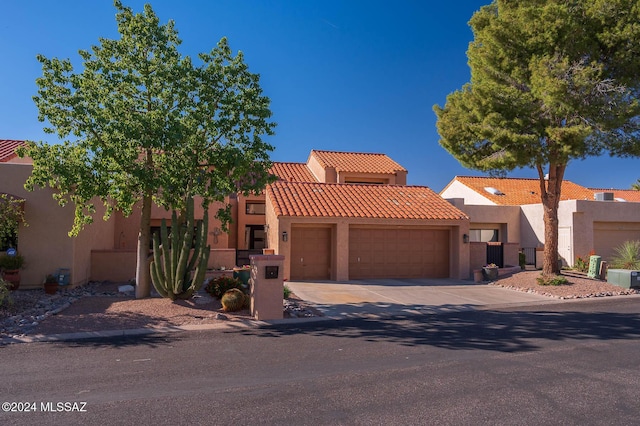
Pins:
x,y
12,276
50,288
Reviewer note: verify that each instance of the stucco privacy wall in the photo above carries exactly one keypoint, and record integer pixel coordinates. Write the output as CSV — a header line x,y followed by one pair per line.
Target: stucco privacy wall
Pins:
x,y
117,261
504,218
45,243
125,235
478,254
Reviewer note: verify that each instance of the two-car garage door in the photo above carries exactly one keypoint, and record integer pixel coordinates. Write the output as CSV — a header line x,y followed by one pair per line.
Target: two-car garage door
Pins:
x,y
398,253
373,253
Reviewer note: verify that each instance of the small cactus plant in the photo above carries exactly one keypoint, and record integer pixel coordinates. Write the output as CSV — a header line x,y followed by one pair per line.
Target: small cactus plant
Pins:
x,y
233,300
173,259
219,286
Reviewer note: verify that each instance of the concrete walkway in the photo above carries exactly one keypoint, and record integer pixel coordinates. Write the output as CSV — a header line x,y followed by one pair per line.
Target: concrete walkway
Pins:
x,y
393,296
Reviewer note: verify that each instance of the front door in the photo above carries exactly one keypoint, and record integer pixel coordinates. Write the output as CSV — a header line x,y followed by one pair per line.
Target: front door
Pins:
x,y
564,245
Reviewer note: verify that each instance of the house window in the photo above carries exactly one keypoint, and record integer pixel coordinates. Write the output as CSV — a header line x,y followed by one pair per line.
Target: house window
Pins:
x,y
483,235
255,208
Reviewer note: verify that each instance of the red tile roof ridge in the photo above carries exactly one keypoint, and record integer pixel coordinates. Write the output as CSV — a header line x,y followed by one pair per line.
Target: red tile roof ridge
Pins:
x,y
613,189
316,199
352,161
348,152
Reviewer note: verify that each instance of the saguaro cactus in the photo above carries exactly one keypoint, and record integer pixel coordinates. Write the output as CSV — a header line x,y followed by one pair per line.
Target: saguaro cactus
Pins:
x,y
174,259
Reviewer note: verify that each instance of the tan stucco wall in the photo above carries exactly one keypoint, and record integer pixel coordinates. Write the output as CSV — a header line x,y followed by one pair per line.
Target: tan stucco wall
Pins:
x,y
120,265
125,231
18,160
504,218
531,225
327,175
457,189
45,243
386,178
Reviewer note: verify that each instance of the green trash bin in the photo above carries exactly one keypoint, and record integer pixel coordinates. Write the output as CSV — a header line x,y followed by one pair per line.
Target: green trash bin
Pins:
x,y
594,266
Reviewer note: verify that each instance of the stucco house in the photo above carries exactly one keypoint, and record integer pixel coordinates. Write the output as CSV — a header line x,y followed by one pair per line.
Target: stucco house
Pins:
x,y
345,215
338,216
509,210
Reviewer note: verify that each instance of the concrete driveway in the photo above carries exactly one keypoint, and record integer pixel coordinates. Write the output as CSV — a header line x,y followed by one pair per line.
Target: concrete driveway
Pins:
x,y
394,296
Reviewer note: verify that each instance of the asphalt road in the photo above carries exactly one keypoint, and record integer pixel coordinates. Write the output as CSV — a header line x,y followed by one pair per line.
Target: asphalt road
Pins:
x,y
570,363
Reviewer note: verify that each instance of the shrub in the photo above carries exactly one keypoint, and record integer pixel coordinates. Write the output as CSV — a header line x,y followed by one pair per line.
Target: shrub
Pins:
x,y
522,260
9,263
233,300
552,280
219,286
627,256
581,265
287,291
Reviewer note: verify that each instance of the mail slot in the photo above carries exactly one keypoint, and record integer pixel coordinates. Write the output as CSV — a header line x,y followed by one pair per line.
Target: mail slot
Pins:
x,y
271,272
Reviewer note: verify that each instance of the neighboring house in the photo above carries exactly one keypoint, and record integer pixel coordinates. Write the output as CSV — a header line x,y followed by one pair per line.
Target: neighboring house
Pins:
x,y
590,220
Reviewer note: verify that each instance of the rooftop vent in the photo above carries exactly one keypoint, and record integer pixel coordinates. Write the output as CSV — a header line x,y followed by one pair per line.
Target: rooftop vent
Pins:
x,y
603,196
492,190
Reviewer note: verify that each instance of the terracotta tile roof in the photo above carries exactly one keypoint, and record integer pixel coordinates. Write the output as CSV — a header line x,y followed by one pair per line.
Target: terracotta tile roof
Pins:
x,y
359,201
629,195
8,148
519,191
357,162
293,172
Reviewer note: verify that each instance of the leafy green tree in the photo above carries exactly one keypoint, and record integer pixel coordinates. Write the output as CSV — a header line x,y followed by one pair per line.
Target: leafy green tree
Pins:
x,y
551,81
636,185
144,124
11,216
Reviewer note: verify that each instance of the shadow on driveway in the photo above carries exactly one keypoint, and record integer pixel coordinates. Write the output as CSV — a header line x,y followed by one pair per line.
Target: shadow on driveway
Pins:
x,y
492,330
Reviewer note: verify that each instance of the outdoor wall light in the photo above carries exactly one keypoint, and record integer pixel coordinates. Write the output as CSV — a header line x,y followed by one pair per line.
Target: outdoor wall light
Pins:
x,y
285,236
465,238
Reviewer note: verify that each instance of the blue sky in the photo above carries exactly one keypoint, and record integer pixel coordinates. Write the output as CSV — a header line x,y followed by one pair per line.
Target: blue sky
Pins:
x,y
350,75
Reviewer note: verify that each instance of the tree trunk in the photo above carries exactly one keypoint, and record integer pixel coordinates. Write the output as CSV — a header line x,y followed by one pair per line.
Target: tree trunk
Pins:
x,y
143,278
550,190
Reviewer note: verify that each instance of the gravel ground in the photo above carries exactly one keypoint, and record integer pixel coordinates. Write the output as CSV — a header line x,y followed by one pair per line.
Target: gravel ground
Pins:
x,y
580,286
100,306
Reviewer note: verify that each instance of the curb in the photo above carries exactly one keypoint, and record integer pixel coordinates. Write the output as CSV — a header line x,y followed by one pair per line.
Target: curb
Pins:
x,y
250,323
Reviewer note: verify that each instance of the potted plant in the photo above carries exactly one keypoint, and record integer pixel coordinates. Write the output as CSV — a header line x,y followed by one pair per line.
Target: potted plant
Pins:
x,y
243,274
51,284
490,272
10,266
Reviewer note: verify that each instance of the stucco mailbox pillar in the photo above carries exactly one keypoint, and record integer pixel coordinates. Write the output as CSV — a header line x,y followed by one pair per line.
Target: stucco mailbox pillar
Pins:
x,y
267,284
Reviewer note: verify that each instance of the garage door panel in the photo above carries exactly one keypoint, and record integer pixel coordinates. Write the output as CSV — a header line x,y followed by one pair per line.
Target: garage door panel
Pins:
x,y
310,253
398,253
607,236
